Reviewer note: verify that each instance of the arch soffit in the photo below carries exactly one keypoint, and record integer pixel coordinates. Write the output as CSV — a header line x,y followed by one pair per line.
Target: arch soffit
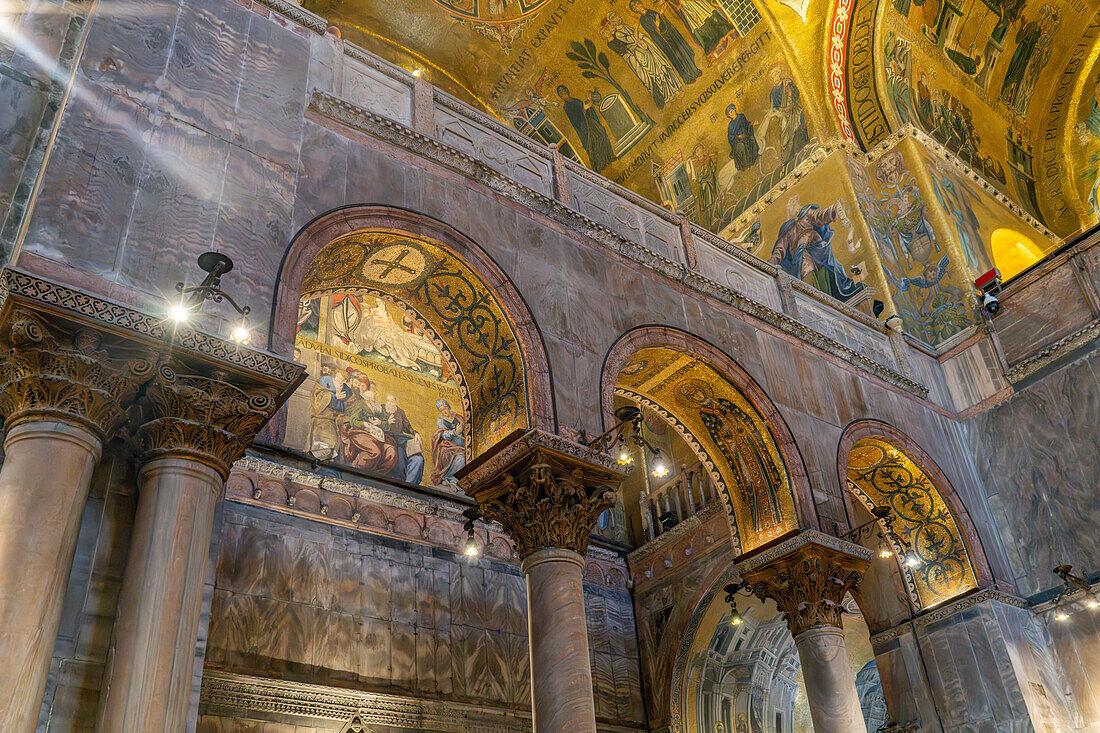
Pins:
x,y
645,337
328,227
862,429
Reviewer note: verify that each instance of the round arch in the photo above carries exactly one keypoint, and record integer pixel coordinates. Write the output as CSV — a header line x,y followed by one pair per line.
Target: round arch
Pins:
x,y
875,433
667,337
342,222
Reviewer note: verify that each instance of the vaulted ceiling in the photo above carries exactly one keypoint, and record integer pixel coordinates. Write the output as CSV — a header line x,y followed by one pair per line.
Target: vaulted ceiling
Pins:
x,y
643,90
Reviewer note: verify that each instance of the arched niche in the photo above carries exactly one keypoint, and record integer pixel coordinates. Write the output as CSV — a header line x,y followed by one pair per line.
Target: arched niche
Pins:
x,y
756,667
403,305
726,419
879,465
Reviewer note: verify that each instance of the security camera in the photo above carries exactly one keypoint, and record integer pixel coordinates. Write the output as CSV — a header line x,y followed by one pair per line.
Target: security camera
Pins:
x,y
990,303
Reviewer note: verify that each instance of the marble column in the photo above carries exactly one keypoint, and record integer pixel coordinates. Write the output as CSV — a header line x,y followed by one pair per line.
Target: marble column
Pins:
x,y
555,590
60,398
807,577
198,427
547,493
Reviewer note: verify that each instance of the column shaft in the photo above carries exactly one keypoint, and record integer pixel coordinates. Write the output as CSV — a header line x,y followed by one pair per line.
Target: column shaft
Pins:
x,y
561,669
44,484
829,680
149,677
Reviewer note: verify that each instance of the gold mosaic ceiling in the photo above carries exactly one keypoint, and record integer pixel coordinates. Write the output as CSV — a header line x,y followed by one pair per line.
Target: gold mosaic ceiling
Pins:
x,y
704,105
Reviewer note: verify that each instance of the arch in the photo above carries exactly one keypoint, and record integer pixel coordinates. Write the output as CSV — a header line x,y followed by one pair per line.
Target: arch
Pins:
x,y
882,440
331,226
506,387
666,337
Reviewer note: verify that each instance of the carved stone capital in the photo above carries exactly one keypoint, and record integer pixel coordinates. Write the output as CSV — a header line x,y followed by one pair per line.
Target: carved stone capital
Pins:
x,y
66,376
807,577
544,490
205,418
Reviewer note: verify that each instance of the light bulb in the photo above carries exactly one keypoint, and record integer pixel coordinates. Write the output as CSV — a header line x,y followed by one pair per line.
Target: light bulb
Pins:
x,y
625,458
1060,615
1092,603
736,619
179,313
885,552
471,549
911,560
660,470
418,73
240,333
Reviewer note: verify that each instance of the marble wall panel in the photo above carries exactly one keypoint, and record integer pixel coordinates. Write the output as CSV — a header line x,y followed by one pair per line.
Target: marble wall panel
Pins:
x,y
1041,313
620,215
734,273
426,622
90,181
1039,458
372,90
854,335
499,153
22,102
271,103
127,53
179,189
203,76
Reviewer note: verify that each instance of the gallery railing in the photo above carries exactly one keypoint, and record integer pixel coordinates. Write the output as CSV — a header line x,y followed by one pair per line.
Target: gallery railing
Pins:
x,y
682,496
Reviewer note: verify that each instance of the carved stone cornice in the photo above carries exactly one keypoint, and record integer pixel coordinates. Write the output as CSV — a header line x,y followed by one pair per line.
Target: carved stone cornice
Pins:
x,y
950,609
544,490
47,373
807,577
1053,352
205,418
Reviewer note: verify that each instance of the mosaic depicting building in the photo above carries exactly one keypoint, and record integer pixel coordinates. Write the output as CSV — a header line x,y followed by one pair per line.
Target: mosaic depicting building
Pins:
x,y
487,366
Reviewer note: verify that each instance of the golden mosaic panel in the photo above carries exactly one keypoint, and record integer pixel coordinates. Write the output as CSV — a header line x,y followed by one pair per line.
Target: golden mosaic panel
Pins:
x,y
730,437
448,300
881,474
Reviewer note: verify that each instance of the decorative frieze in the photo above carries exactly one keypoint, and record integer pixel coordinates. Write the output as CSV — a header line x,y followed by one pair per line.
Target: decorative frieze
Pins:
x,y
807,577
544,490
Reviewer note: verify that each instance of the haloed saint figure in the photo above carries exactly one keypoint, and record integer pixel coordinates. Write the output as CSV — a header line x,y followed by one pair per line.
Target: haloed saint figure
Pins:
x,y
745,448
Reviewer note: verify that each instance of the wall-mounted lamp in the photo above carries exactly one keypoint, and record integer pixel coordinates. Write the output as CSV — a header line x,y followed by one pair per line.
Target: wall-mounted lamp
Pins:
x,y
622,434
1073,585
885,514
732,589
215,264
470,548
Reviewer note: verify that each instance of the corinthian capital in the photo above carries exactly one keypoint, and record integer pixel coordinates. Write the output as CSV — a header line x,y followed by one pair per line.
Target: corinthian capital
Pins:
x,y
206,418
544,490
67,376
807,577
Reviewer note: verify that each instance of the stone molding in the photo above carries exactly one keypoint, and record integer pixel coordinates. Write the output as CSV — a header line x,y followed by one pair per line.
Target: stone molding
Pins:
x,y
807,576
1052,353
48,374
205,418
546,491
238,693
44,296
948,609
386,130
